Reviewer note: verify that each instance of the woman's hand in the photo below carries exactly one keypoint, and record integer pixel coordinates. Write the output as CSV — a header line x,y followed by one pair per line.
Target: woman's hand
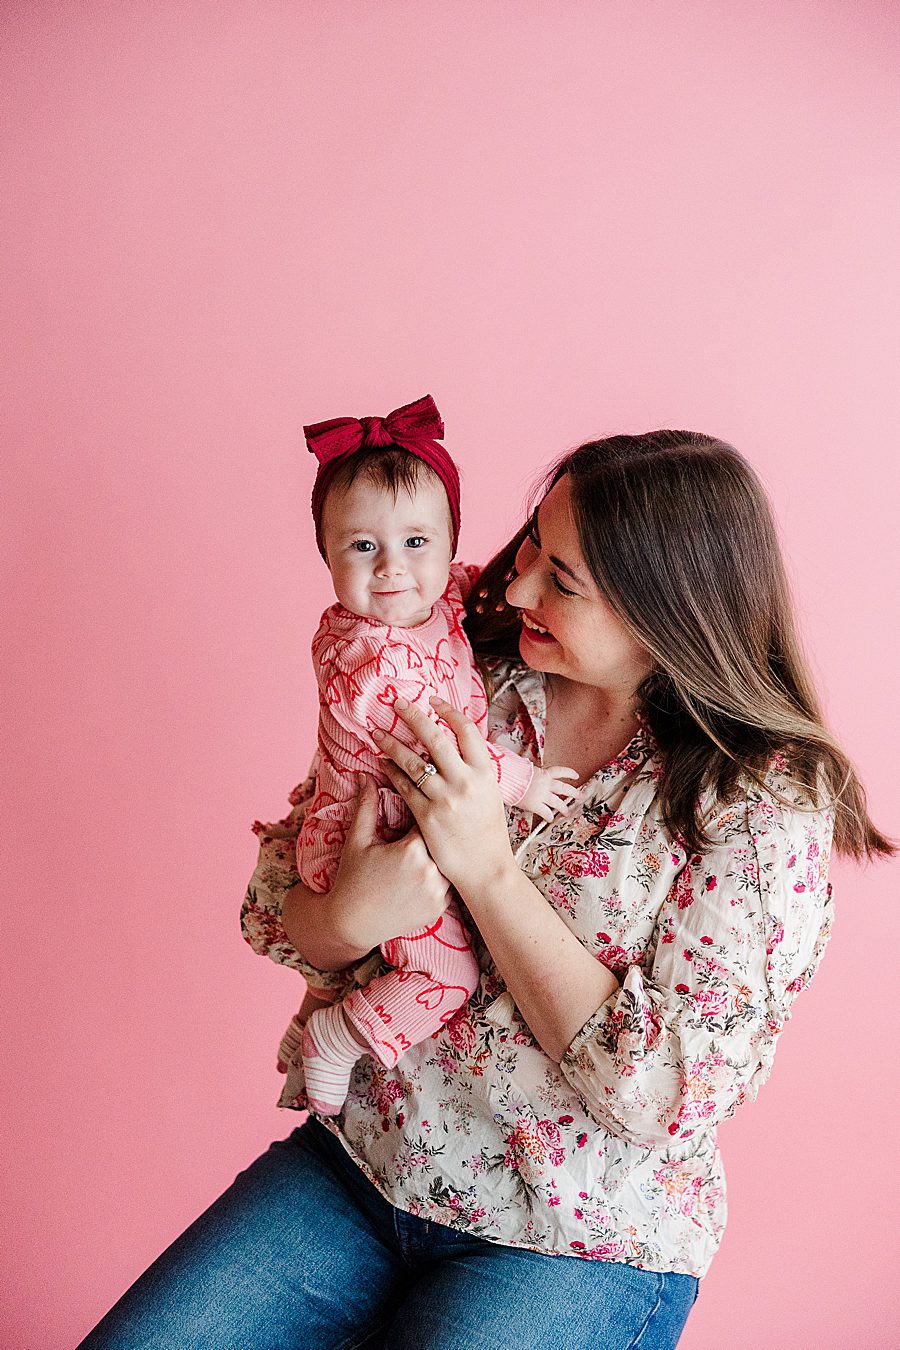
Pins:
x,y
556,982
379,891
458,809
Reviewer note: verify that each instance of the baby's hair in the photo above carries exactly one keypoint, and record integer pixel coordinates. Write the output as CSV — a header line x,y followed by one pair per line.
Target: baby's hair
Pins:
x,y
388,466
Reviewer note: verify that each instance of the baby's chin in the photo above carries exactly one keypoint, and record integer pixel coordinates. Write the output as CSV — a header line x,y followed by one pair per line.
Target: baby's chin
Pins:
x,y
401,611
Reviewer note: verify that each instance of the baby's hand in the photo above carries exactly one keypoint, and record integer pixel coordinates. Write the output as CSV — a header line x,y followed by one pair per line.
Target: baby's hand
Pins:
x,y
548,792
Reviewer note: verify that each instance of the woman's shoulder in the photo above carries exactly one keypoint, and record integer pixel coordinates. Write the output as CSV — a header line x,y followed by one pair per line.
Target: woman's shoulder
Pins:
x,y
775,799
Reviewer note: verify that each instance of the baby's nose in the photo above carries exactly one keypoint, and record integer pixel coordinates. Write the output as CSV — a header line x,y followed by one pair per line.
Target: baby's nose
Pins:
x,y
390,564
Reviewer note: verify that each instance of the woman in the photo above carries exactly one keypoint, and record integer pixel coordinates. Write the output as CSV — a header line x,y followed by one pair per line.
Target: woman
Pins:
x,y
545,1170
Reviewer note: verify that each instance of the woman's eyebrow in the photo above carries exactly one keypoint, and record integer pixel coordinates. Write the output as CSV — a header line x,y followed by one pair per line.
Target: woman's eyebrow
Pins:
x,y
564,567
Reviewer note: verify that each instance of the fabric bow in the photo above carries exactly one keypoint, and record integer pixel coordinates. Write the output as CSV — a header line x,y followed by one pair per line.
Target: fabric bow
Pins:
x,y
414,427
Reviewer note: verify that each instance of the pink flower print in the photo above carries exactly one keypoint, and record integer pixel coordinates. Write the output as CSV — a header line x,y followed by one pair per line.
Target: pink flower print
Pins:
x,y
711,883
577,864
683,889
682,989
608,1251
613,957
383,1091
776,934
597,864
710,1002
462,1034
548,1133
522,1145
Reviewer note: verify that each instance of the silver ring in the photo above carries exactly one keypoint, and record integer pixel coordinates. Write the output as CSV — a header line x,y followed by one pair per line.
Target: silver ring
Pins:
x,y
427,772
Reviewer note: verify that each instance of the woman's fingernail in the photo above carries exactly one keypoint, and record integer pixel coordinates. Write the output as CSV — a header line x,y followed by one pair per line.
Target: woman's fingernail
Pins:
x,y
377,733
401,703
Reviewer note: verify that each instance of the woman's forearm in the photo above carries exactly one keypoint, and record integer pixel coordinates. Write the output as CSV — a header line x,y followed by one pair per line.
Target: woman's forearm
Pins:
x,y
317,926
556,983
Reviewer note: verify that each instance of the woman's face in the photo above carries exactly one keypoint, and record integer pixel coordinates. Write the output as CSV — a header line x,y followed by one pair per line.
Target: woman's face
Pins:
x,y
583,639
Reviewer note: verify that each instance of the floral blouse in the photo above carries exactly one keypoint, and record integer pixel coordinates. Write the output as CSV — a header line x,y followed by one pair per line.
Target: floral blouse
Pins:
x,y
612,1153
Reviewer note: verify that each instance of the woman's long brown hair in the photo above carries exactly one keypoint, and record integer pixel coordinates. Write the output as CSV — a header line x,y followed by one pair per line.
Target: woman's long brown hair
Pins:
x,y
678,534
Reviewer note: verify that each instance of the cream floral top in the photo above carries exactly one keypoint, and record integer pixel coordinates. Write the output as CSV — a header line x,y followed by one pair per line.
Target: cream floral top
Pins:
x,y
612,1153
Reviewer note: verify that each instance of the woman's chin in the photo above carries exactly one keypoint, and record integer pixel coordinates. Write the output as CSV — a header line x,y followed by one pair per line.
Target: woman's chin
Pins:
x,y
538,655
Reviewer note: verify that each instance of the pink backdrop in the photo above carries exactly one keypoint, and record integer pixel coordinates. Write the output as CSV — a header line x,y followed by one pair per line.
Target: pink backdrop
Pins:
x,y
224,219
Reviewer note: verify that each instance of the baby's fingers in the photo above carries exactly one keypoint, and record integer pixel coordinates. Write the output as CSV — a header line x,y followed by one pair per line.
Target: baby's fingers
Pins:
x,y
561,771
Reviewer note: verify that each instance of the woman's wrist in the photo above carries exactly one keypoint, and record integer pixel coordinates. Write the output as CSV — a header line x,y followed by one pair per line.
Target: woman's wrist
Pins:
x,y
488,883
321,929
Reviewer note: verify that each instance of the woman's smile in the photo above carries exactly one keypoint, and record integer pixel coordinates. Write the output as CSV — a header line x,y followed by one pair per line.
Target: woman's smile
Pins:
x,y
534,631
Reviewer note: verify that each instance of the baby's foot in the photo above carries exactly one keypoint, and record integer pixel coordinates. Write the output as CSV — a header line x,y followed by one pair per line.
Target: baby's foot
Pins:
x,y
331,1047
290,1043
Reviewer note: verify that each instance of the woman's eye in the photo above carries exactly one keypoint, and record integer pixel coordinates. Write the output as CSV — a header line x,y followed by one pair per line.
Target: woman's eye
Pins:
x,y
362,545
416,541
563,590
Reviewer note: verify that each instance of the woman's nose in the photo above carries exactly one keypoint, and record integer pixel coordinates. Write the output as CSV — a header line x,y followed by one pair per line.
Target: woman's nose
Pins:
x,y
520,591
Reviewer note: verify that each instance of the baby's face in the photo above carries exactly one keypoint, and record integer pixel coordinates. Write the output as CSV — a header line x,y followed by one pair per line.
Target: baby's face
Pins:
x,y
389,559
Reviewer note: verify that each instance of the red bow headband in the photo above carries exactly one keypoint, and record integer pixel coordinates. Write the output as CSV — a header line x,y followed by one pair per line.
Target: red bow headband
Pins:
x,y
413,427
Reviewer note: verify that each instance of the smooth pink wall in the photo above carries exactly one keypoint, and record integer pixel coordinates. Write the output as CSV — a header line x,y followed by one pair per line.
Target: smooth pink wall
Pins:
x,y
224,219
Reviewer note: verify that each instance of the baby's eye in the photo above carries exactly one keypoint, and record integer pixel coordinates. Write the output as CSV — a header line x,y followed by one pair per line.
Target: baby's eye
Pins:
x,y
416,541
362,545
563,590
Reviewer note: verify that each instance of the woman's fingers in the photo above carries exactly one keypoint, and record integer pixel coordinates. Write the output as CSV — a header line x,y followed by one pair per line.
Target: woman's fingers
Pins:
x,y
400,781
471,743
400,756
362,827
439,744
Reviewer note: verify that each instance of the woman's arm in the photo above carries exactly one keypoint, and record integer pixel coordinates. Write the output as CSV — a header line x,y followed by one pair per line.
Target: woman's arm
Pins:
x,y
677,1047
555,982
379,890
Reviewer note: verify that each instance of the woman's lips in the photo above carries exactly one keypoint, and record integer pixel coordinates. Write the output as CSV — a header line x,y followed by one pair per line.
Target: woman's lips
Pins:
x,y
534,634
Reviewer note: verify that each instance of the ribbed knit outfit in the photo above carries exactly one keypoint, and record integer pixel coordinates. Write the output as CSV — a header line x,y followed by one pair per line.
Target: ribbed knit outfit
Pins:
x,y
361,667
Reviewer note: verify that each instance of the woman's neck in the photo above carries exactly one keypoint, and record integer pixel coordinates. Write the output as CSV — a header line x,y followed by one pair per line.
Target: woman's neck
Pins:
x,y
586,726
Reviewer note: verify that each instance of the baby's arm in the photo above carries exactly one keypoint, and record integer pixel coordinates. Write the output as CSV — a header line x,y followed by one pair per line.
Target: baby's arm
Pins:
x,y
522,783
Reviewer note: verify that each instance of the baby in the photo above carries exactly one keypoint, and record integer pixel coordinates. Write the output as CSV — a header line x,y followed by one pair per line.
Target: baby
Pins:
x,y
386,511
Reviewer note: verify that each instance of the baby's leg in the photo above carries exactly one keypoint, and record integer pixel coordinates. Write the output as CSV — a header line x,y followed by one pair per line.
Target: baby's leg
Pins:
x,y
436,973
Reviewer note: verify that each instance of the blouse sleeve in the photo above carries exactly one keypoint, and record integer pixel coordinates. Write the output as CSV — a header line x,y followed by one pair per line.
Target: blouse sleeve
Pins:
x,y
689,1038
273,877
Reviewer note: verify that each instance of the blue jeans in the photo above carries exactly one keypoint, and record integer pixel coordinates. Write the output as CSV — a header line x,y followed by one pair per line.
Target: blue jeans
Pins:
x,y
303,1253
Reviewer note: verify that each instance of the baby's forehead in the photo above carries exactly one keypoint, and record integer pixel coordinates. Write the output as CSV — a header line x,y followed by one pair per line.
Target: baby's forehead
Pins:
x,y
367,502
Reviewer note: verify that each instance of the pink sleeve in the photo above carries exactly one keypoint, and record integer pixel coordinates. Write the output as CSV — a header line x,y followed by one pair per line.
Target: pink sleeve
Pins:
x,y
514,773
